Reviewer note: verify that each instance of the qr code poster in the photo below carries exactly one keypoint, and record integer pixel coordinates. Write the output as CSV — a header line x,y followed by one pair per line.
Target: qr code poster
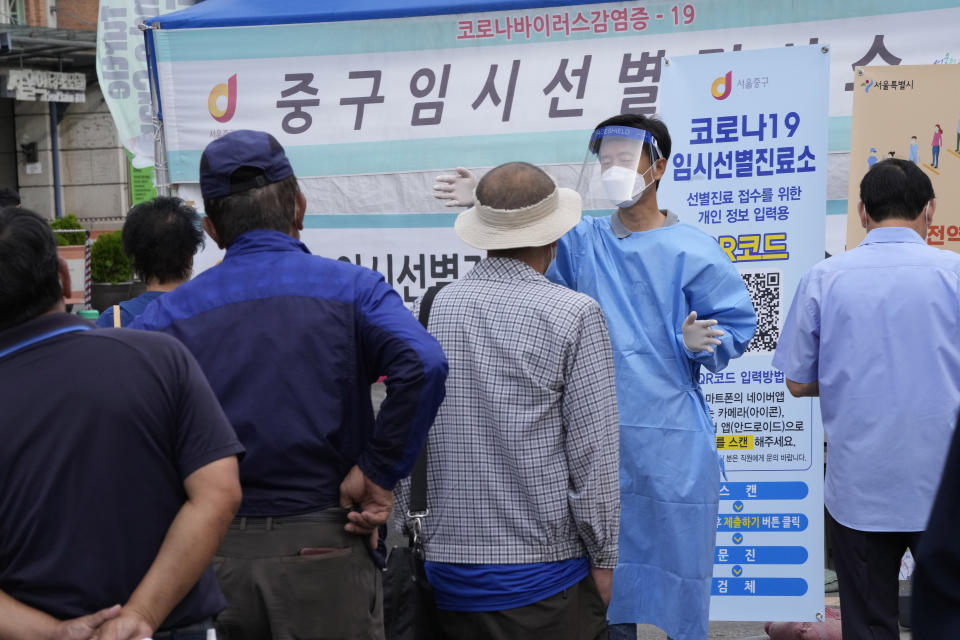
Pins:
x,y
766,295
748,168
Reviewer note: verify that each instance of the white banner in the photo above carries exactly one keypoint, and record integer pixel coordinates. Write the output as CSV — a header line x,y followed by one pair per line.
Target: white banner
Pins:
x,y
366,107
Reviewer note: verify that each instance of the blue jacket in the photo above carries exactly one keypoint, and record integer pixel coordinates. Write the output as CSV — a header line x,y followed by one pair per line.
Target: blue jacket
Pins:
x,y
129,309
291,343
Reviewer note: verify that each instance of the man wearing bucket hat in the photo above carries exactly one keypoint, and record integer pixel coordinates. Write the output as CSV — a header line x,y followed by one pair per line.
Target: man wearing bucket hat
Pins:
x,y
523,453
291,343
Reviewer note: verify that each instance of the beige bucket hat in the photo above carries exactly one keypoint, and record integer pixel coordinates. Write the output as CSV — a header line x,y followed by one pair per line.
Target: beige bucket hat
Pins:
x,y
535,225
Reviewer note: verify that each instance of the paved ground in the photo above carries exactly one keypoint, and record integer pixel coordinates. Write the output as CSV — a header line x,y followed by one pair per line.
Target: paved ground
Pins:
x,y
718,630
728,631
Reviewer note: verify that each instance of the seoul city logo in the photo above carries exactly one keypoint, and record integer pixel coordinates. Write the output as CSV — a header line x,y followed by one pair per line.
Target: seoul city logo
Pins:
x,y
222,102
720,89
866,84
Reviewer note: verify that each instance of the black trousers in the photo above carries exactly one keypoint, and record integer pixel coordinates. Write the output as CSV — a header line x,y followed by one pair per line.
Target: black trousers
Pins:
x,y
576,613
868,569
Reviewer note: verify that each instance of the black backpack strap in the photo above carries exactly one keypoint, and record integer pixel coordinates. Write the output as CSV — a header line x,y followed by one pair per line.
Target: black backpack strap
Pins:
x,y
427,302
418,479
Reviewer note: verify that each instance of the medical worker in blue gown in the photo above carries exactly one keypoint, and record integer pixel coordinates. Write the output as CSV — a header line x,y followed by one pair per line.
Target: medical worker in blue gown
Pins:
x,y
674,302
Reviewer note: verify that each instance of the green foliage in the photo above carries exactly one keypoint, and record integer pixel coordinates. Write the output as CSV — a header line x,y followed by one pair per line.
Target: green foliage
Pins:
x,y
66,239
108,262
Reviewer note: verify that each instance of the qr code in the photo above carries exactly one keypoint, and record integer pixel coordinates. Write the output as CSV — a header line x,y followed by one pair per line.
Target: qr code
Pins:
x,y
764,289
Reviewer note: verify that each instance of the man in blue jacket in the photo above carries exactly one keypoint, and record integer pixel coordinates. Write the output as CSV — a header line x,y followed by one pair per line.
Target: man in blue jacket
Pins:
x,y
291,343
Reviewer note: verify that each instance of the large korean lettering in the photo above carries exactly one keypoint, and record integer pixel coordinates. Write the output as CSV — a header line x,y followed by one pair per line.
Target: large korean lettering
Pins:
x,y
298,120
489,90
362,101
640,98
422,91
560,78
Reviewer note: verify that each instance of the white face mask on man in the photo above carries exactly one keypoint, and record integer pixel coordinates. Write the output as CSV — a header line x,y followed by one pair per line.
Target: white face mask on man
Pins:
x,y
619,183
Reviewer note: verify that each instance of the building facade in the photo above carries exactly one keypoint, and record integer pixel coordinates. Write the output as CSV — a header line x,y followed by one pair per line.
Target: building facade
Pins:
x,y
58,143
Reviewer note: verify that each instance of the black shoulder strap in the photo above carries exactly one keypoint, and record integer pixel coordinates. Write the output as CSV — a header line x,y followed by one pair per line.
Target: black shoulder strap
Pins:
x,y
418,479
427,302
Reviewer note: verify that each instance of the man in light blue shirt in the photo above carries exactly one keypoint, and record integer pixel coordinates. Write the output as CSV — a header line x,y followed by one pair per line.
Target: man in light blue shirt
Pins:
x,y
873,333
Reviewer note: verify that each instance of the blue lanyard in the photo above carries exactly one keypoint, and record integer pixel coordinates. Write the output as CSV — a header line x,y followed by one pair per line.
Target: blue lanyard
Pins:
x,y
41,338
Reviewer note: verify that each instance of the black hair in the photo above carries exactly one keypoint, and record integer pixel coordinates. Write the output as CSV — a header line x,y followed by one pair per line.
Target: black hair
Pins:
x,y
651,124
273,206
29,268
9,197
161,237
514,185
895,188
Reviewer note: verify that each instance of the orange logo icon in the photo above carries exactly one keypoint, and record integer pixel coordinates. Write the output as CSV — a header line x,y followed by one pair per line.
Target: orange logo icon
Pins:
x,y
225,92
721,86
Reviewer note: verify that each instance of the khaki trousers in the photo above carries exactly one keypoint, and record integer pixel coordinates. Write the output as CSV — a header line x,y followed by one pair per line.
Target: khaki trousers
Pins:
x,y
298,578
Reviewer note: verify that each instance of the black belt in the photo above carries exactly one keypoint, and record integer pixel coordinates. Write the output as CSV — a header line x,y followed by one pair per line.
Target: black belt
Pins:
x,y
200,626
337,515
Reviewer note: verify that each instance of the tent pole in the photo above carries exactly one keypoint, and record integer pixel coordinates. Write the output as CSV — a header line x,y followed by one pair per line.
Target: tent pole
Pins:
x,y
161,176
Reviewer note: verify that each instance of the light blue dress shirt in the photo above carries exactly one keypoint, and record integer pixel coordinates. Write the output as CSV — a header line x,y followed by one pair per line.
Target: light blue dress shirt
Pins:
x,y
879,327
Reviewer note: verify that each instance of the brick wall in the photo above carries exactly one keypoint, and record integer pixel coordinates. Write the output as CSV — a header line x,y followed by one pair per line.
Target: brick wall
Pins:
x,y
36,12
77,14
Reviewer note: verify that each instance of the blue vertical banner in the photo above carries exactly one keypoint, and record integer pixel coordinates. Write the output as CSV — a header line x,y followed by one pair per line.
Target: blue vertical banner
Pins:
x,y
749,167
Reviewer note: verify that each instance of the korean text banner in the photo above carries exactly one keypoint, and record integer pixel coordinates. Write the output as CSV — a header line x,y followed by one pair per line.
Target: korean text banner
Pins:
x,y
367,106
911,113
748,167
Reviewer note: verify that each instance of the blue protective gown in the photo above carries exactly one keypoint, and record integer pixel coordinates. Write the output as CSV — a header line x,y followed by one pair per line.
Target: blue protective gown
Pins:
x,y
670,472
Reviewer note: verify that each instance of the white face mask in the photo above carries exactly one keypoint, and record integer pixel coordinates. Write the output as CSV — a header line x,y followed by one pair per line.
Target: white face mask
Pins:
x,y
618,183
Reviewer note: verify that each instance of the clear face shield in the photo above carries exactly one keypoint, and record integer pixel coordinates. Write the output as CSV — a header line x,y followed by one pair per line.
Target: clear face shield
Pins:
x,y
618,166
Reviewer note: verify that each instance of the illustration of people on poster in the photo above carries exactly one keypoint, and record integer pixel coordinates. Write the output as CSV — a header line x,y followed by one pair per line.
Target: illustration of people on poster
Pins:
x,y
914,111
749,168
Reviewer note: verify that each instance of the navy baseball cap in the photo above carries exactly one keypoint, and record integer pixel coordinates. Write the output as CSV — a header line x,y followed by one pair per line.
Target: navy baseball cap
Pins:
x,y
241,148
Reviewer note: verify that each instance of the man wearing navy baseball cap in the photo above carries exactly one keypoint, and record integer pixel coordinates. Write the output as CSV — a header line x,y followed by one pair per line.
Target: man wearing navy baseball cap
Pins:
x,y
291,343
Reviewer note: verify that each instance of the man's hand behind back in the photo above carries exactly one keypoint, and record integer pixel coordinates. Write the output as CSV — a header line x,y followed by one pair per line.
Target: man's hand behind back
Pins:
x,y
84,627
129,625
373,501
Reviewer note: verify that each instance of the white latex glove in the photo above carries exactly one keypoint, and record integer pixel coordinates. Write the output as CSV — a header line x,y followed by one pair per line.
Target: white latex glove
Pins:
x,y
456,189
697,334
